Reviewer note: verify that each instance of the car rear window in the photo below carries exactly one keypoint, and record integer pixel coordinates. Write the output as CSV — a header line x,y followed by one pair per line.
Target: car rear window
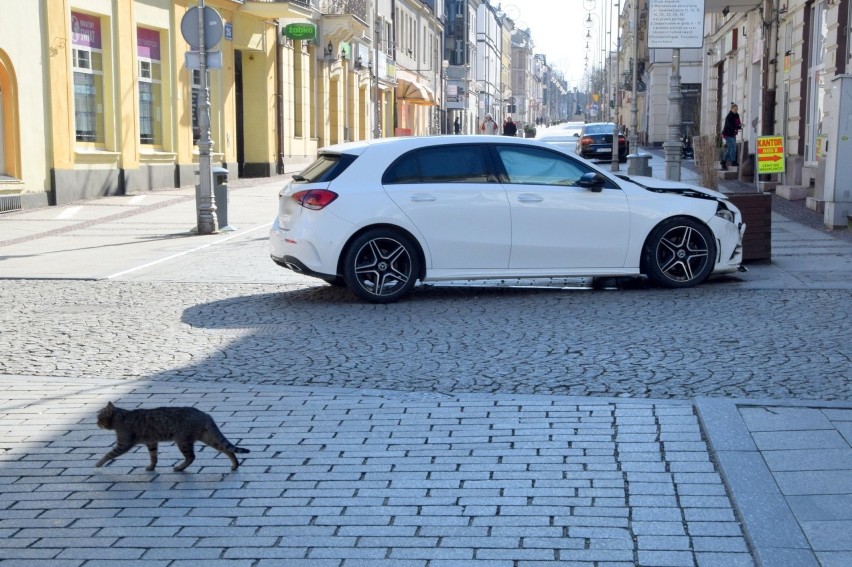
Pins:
x,y
599,129
325,168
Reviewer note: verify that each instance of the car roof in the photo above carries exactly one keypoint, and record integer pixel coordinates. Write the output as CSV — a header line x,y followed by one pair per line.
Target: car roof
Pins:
x,y
405,143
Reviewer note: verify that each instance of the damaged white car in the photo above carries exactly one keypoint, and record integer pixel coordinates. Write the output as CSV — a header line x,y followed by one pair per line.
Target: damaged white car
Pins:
x,y
381,215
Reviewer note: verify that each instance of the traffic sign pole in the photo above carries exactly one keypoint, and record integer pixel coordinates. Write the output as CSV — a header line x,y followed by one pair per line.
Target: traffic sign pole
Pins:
x,y
205,202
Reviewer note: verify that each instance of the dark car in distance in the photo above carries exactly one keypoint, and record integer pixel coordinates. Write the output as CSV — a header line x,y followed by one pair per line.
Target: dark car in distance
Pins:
x,y
595,142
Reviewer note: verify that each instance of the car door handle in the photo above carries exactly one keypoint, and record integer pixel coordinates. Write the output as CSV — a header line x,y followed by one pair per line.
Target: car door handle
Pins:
x,y
422,197
530,198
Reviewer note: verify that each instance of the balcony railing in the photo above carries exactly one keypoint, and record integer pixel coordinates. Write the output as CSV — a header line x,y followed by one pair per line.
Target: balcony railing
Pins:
x,y
357,8
305,3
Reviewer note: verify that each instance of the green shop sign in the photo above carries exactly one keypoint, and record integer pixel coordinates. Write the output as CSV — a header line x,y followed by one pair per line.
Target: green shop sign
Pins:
x,y
300,31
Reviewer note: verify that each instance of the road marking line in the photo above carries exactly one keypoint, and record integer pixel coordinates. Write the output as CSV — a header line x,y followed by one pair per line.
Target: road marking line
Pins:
x,y
69,212
185,252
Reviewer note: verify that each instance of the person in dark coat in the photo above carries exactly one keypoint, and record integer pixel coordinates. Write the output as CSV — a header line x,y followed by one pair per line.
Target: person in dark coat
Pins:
x,y
509,127
457,126
729,133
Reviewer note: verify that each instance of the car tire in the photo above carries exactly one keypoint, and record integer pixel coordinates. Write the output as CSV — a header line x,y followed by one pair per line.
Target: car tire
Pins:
x,y
381,266
680,252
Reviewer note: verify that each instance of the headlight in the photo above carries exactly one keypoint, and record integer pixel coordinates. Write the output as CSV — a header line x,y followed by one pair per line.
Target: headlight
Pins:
x,y
724,213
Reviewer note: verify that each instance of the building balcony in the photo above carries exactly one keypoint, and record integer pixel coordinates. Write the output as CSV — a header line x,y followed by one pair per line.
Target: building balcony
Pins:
x,y
356,8
280,8
344,20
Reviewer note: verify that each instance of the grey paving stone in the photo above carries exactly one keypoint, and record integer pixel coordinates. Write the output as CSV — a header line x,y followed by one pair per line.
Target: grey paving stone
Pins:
x,y
771,555
834,558
666,558
717,559
808,459
810,439
780,418
663,542
821,507
832,535
814,482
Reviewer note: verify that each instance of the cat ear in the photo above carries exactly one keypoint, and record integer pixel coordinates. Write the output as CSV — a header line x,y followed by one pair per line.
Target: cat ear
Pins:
x,y
109,405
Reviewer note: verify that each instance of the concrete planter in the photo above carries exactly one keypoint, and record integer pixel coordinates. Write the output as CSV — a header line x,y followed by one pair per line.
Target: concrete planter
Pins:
x,y
757,214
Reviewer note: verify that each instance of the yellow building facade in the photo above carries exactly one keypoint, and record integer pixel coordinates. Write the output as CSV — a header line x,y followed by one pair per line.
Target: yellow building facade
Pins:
x,y
101,102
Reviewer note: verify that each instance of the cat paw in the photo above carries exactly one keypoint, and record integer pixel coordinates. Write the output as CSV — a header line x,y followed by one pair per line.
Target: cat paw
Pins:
x,y
149,468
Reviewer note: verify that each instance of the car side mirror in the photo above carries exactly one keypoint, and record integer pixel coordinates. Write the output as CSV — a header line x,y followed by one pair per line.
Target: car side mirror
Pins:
x,y
594,182
576,134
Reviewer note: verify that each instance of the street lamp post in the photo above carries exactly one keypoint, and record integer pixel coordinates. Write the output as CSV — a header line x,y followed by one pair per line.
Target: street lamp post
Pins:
x,y
445,122
672,145
615,105
206,213
634,109
377,118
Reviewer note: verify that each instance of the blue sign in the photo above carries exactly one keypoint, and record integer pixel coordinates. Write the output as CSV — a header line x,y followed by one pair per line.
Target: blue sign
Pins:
x,y
229,31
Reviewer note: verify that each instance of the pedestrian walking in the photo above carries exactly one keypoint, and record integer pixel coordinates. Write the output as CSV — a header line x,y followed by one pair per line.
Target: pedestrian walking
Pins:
x,y
489,127
509,127
729,134
457,126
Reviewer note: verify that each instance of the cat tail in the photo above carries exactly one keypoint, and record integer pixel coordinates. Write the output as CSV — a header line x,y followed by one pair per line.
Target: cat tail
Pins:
x,y
223,442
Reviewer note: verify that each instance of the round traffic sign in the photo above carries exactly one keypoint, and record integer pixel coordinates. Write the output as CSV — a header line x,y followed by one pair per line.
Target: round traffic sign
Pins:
x,y
213,27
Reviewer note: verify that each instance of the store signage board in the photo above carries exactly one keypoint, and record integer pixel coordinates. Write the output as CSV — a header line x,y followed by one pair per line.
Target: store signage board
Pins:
x,y
676,24
770,154
301,31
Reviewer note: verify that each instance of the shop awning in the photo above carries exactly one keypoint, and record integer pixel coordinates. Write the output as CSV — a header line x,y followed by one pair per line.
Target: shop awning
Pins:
x,y
414,93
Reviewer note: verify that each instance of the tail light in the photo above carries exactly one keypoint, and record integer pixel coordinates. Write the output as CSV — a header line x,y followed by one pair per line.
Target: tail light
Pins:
x,y
586,140
314,199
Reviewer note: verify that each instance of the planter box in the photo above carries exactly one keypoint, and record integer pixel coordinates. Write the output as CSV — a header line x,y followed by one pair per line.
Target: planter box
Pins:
x,y
757,214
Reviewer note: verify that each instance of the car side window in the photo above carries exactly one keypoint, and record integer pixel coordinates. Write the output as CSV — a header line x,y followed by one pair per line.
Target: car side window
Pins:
x,y
442,164
536,166
404,170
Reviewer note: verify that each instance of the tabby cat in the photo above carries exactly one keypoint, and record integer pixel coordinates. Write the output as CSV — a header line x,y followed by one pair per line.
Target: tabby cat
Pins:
x,y
184,426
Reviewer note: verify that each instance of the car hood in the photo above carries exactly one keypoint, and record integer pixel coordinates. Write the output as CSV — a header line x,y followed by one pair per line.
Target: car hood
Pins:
x,y
668,186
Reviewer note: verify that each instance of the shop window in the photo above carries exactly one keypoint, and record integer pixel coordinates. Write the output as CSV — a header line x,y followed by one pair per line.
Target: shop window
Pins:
x,y
150,86
87,63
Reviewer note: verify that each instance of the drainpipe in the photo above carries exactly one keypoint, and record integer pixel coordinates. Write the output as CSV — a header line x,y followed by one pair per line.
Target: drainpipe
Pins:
x,y
770,66
279,100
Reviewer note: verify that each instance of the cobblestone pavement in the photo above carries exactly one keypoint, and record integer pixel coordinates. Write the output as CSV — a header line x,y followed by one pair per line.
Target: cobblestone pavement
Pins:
x,y
707,341
345,478
467,425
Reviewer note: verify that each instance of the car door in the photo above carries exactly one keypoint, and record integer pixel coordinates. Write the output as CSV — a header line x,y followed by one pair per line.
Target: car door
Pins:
x,y
556,224
452,195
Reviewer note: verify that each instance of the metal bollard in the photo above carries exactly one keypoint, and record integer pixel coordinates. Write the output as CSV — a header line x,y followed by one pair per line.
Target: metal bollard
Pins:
x,y
220,194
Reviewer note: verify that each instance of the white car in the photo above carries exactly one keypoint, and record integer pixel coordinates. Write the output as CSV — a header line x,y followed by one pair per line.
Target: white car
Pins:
x,y
380,215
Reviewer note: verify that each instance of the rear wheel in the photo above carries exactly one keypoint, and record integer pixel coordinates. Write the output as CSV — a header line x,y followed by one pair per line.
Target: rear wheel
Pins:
x,y
381,266
680,252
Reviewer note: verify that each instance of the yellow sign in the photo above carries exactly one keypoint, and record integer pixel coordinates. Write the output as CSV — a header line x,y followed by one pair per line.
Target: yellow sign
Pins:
x,y
770,154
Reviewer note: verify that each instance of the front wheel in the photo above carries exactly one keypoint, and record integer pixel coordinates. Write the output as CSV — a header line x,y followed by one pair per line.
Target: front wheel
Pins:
x,y
679,253
381,266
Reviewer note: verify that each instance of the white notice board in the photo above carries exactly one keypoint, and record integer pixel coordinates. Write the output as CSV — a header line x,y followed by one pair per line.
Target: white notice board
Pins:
x,y
675,24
